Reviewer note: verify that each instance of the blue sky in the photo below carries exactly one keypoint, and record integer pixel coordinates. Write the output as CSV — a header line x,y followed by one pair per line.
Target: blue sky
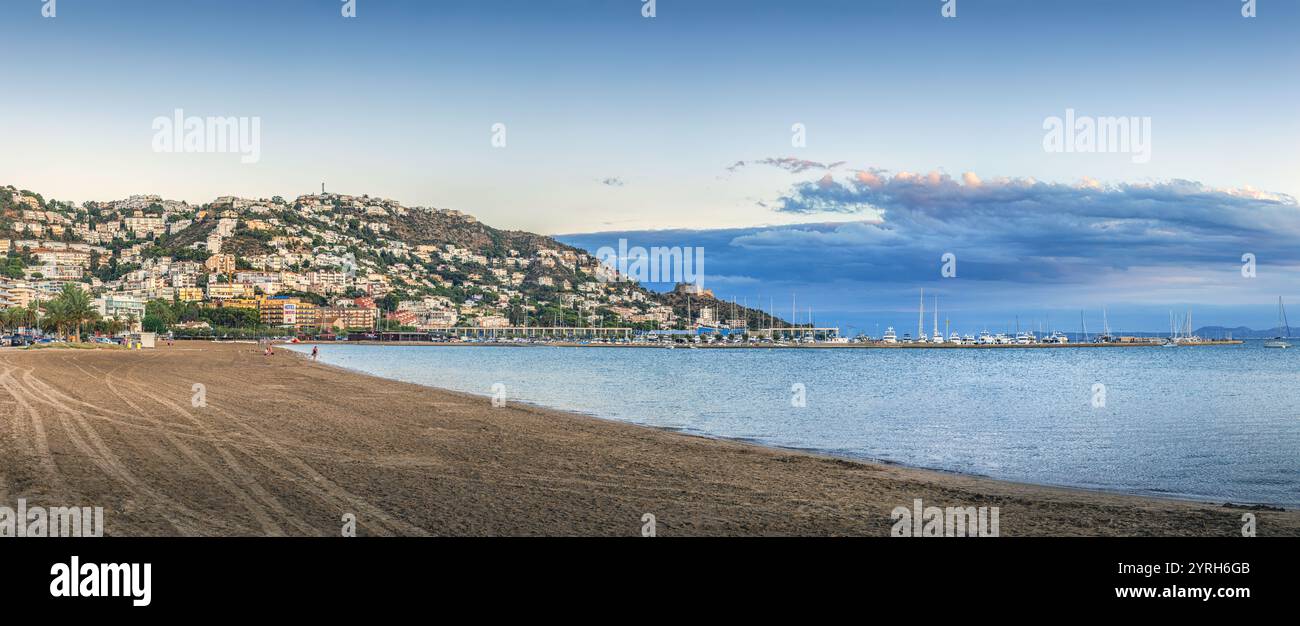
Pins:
x,y
616,122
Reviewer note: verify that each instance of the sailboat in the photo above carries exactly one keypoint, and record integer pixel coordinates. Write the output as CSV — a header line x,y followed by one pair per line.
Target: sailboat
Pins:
x,y
1172,341
1280,342
936,337
920,320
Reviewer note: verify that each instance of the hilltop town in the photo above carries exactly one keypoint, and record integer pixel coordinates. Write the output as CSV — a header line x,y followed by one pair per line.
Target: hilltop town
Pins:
x,y
319,264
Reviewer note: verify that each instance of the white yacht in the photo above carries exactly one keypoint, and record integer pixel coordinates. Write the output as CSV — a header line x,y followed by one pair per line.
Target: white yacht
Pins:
x,y
985,338
1057,337
890,336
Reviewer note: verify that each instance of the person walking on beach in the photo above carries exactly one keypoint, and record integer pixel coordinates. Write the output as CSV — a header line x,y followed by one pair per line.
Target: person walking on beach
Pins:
x,y
315,350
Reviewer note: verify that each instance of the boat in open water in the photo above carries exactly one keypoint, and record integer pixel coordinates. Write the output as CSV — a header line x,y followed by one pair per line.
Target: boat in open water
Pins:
x,y
1280,342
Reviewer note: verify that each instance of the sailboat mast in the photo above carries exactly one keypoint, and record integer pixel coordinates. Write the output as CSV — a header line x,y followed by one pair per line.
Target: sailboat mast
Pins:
x,y
920,317
936,316
1281,313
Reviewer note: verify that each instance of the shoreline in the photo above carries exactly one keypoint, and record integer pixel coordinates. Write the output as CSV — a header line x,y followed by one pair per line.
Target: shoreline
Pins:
x,y
285,446
826,454
816,346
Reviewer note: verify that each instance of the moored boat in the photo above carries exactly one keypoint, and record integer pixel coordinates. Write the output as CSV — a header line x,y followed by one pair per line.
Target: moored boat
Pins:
x,y
1281,341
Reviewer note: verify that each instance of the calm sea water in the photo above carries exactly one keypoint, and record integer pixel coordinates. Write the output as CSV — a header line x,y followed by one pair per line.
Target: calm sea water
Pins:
x,y
1208,423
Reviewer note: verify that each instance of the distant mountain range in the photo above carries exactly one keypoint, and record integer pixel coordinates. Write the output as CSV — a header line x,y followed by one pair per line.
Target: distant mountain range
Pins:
x,y
1207,332
1240,332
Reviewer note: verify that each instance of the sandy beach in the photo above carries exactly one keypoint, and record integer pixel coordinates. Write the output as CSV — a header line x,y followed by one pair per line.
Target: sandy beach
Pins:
x,y
217,439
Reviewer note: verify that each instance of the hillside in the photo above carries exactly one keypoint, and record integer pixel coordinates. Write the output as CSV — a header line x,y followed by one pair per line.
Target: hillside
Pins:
x,y
432,264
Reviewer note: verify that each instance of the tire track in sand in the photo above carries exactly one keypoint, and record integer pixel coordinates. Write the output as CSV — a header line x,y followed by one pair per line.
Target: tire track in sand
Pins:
x,y
264,449
254,498
94,449
31,429
200,523
309,478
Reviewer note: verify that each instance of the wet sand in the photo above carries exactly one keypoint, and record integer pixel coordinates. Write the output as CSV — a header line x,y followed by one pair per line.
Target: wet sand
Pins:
x,y
283,446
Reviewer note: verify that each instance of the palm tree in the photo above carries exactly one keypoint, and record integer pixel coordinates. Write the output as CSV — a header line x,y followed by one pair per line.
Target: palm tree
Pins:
x,y
92,318
13,318
77,308
30,315
55,317
112,327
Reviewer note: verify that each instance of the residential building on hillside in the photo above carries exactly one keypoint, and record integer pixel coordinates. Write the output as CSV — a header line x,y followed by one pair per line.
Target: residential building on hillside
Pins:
x,y
221,264
221,291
